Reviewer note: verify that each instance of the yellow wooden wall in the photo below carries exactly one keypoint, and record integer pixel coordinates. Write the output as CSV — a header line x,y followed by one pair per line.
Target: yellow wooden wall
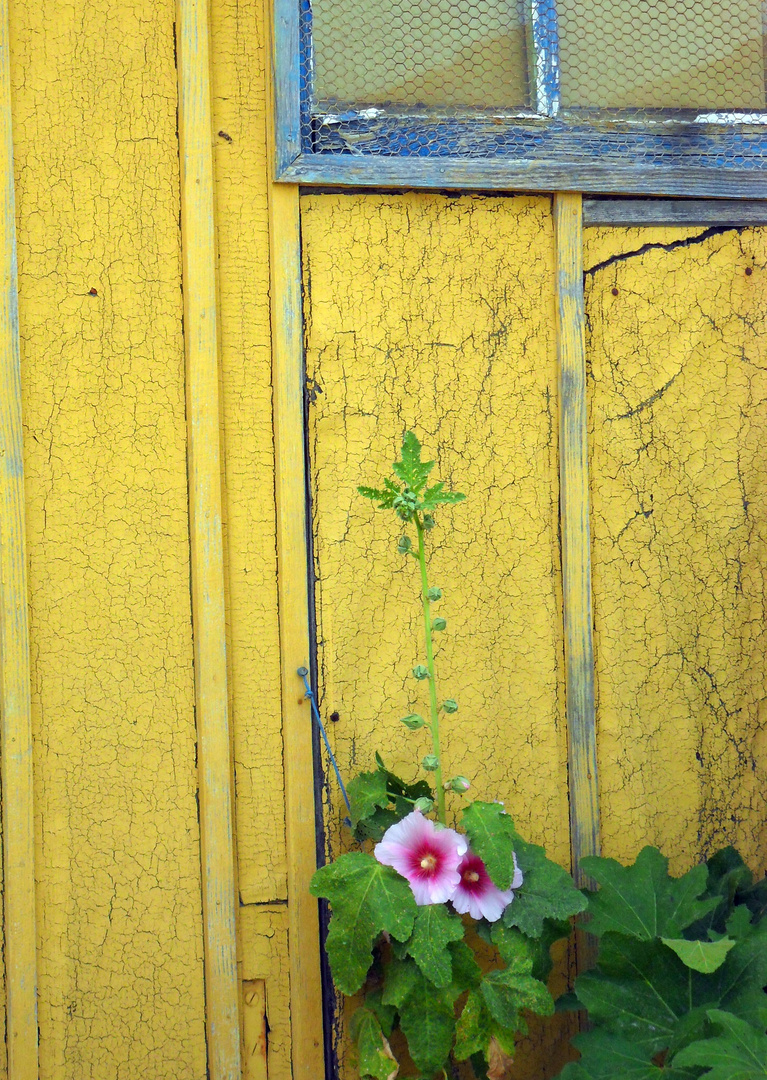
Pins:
x,y
421,310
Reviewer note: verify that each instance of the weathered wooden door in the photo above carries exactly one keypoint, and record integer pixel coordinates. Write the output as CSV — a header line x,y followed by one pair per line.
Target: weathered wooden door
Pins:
x,y
439,314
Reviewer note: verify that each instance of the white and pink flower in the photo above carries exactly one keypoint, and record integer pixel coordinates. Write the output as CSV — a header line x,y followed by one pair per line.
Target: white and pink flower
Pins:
x,y
427,856
476,893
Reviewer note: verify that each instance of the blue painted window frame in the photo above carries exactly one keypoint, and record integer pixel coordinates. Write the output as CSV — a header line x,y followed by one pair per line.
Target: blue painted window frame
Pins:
x,y
562,155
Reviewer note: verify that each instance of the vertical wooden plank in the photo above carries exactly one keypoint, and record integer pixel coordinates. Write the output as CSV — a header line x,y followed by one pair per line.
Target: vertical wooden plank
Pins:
x,y
292,526
576,541
200,340
15,704
254,1045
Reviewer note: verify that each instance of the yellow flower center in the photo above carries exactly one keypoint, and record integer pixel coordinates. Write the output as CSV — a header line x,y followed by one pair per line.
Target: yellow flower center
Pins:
x,y
428,862
471,875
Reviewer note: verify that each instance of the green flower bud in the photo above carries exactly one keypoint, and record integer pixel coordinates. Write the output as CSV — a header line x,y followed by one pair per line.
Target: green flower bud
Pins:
x,y
423,804
421,672
434,594
459,784
450,706
428,522
404,545
439,623
430,763
413,722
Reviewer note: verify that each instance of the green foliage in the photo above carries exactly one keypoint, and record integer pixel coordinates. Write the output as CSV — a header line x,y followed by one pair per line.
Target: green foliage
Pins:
x,y
738,1053
642,900
492,835
380,799
703,956
376,1060
367,899
677,957
548,893
413,497
434,930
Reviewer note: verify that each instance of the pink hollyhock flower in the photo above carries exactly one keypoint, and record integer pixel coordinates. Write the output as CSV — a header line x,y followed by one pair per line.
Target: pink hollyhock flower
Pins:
x,y
427,856
476,892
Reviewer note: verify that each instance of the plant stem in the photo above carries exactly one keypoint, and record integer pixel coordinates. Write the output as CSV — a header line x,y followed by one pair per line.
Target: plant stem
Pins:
x,y
430,665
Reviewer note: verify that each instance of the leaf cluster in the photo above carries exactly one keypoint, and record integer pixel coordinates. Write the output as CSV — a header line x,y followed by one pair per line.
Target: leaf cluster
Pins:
x,y
411,496
678,989
379,799
418,966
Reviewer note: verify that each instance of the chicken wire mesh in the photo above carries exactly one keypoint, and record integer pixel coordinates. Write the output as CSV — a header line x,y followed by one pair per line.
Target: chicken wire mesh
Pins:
x,y
659,81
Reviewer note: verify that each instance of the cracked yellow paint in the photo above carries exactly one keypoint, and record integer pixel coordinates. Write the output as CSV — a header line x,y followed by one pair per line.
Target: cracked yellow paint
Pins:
x,y
118,873
438,314
239,123
678,396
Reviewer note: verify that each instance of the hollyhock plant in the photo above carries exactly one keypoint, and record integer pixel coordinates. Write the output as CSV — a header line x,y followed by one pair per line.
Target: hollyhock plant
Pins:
x,y
475,893
415,919
427,856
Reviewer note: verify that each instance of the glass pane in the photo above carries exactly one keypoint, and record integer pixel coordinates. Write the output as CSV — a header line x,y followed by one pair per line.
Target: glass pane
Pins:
x,y
662,54
419,52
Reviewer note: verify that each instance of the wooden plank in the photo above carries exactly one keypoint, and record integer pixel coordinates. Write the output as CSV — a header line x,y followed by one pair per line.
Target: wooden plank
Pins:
x,y
292,526
576,542
15,687
307,1044
200,338
510,174
254,1038
286,75
642,212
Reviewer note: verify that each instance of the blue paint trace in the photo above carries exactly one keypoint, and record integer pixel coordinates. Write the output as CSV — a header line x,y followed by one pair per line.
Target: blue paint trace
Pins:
x,y
303,674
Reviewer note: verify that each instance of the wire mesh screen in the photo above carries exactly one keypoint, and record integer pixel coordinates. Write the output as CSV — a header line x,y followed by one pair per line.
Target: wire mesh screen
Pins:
x,y
419,52
656,82
666,54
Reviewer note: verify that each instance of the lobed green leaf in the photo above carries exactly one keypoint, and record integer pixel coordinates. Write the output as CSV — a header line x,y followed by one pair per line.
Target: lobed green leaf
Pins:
x,y
376,1060
492,835
739,1053
547,892
434,929
703,956
609,1057
642,900
367,899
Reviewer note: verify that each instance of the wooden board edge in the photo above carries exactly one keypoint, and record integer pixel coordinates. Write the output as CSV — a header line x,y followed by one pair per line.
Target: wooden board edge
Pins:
x,y
222,989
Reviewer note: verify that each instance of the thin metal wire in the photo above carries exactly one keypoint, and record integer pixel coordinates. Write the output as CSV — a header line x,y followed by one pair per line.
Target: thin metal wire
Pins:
x,y
303,673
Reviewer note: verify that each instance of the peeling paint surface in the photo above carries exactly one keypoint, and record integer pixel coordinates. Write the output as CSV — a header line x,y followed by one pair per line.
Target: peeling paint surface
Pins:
x,y
120,950
437,314
239,115
264,938
678,395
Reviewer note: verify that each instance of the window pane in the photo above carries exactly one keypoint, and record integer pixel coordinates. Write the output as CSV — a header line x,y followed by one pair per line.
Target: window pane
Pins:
x,y
419,52
662,54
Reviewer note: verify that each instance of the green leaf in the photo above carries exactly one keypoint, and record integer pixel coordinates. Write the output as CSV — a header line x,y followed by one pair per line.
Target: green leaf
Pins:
x,y
437,496
547,892
492,835
641,900
514,988
474,1028
642,991
375,1057
426,1013
434,929
727,875
739,1053
386,1014
704,956
383,496
466,971
608,1057
410,469
367,898
373,827
755,898
367,792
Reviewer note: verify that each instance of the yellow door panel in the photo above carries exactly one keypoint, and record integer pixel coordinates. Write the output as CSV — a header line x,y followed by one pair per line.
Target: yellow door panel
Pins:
x,y
437,314
677,325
